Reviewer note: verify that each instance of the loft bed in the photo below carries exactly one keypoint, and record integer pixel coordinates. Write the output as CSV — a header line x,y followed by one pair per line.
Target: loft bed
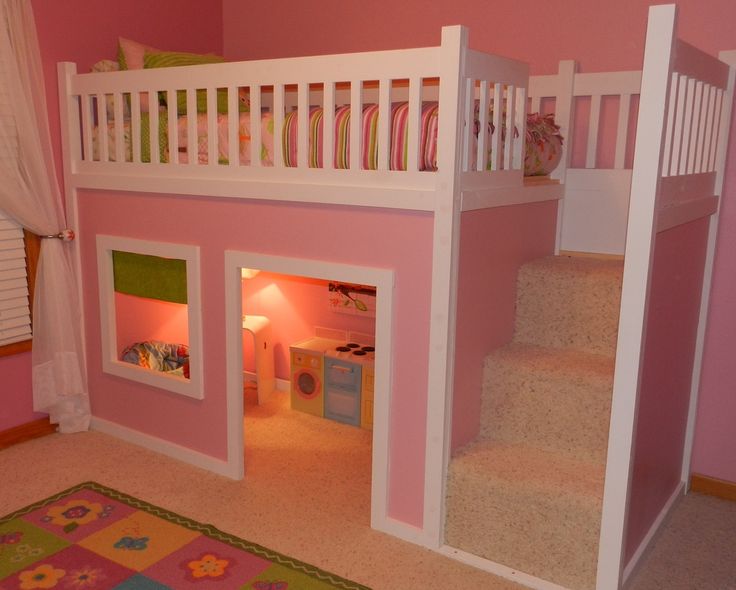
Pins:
x,y
414,79
664,174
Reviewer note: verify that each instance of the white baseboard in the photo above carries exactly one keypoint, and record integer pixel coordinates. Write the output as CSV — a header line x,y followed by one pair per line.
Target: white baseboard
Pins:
x,y
653,530
164,447
400,530
498,569
281,384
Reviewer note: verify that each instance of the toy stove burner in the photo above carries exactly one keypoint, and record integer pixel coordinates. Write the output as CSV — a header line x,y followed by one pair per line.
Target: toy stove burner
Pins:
x,y
351,349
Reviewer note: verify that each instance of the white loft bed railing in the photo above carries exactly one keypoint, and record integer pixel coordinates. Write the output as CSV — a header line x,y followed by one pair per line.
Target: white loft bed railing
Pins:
x,y
277,86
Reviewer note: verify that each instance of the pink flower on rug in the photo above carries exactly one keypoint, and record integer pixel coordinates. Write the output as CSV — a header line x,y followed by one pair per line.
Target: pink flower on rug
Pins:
x,y
208,566
85,577
75,512
44,576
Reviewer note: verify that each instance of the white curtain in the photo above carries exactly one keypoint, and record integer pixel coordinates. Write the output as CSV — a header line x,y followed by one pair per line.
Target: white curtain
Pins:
x,y
29,193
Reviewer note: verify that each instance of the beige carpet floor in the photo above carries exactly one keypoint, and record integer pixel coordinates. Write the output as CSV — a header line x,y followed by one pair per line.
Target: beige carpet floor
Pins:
x,y
307,494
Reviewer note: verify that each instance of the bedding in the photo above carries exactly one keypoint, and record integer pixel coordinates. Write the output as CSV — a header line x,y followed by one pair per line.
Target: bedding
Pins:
x,y
159,356
543,140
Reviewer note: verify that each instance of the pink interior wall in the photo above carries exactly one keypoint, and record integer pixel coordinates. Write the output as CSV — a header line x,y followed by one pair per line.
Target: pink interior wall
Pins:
x,y
294,306
17,401
540,33
714,453
273,228
666,377
494,243
85,31
140,319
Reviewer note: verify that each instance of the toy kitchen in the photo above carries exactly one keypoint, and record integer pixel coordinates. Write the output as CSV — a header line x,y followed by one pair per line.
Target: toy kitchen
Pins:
x,y
332,376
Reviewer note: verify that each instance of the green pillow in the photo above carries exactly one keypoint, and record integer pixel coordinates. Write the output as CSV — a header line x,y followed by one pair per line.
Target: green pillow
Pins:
x,y
170,59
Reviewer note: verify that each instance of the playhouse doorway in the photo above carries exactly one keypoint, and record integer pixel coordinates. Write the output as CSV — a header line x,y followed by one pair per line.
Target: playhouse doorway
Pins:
x,y
271,426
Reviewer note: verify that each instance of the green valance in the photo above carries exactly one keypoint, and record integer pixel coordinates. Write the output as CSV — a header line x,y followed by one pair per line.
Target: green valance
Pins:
x,y
150,276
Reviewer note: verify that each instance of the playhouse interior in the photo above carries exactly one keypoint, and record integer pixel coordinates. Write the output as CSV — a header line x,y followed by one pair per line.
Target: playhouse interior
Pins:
x,y
471,231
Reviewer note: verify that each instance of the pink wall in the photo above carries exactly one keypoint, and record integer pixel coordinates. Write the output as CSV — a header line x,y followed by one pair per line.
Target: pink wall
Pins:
x,y
141,319
494,243
85,31
714,454
295,306
540,33
281,229
666,377
17,400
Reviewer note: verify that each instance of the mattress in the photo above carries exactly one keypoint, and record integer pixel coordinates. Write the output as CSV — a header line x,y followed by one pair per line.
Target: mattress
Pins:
x,y
543,140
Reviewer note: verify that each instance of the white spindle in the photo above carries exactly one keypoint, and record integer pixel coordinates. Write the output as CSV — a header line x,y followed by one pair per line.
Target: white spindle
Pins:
x,y
256,119
278,125
593,125
212,139
468,117
87,127
670,129
496,143
192,136
384,124
520,124
709,129
302,137
328,126
104,142
624,108
481,156
720,106
233,126
415,115
135,125
510,126
679,126
118,121
153,127
696,132
687,126
172,124
356,123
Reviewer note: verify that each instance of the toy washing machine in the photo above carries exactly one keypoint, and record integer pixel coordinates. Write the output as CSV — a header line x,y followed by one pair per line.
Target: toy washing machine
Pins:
x,y
307,375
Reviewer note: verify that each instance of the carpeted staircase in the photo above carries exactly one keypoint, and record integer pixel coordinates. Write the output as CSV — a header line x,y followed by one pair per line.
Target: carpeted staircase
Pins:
x,y
527,493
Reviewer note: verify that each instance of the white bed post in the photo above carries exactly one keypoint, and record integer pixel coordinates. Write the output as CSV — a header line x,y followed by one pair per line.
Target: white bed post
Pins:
x,y
564,112
728,57
645,183
444,282
71,152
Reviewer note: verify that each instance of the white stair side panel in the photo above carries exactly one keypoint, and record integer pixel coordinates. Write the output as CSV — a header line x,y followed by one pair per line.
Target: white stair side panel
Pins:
x,y
596,211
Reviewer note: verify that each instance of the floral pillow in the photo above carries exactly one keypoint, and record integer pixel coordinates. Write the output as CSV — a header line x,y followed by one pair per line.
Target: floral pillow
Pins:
x,y
109,65
130,57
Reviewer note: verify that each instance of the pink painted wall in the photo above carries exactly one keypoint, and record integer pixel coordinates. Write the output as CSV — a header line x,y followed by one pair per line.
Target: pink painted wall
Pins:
x,y
140,319
714,454
493,244
540,33
273,228
85,31
17,400
667,373
295,306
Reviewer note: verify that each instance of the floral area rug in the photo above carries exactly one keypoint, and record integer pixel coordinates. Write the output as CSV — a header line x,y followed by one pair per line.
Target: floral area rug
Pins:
x,y
90,537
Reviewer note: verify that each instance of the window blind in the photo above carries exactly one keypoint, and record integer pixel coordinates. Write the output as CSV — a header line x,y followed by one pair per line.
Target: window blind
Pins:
x,y
15,312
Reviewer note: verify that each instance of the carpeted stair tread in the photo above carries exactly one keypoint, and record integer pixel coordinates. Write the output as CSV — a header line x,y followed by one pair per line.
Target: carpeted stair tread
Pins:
x,y
532,510
569,302
554,399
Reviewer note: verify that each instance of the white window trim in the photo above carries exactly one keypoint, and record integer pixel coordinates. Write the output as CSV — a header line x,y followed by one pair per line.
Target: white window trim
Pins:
x,y
192,387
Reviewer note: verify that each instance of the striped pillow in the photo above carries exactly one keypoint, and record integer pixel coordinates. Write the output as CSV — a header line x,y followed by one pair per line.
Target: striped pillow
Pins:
x,y
172,59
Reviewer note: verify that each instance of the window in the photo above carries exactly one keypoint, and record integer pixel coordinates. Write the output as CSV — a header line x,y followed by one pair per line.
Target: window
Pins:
x,y
18,258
